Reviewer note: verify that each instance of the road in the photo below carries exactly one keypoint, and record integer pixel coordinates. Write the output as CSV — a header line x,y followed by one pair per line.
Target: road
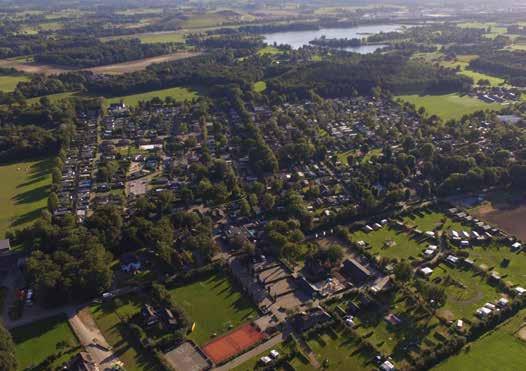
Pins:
x,y
92,340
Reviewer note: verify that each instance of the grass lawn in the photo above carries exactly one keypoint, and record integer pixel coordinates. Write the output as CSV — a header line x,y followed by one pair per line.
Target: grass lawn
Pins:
x,y
429,220
471,292
39,340
449,106
283,349
260,86
403,248
108,317
214,305
510,265
179,94
23,192
269,50
8,83
340,351
498,350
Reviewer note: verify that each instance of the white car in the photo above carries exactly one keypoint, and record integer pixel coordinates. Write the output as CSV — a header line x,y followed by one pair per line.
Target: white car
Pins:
x,y
266,360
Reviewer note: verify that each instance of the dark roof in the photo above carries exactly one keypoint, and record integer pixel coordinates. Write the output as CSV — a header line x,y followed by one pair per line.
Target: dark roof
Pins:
x,y
356,272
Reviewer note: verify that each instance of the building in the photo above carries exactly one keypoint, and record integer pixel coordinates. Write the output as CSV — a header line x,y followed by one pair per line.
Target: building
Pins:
x,y
356,272
81,362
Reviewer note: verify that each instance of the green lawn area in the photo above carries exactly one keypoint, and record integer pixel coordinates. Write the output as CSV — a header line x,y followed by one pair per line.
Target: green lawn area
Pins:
x,y
467,292
449,106
462,62
23,192
214,305
500,350
179,94
427,220
39,340
403,247
8,83
108,317
340,350
260,86
510,265
299,364
269,50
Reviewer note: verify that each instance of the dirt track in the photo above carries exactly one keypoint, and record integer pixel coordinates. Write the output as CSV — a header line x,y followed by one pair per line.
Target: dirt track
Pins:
x,y
510,220
112,69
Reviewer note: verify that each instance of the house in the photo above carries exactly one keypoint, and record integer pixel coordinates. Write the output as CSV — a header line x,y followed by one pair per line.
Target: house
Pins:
x,y
356,272
5,246
426,271
130,263
81,362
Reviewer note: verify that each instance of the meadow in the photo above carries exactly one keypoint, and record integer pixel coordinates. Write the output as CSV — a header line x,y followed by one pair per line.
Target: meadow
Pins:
x,y
9,83
449,106
179,94
428,220
214,305
23,192
501,349
39,340
402,245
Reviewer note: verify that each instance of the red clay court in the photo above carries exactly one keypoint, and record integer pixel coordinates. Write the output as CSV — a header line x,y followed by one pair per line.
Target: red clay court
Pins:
x,y
233,343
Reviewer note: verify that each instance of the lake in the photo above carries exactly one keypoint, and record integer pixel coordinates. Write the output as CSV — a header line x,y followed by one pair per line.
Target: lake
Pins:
x,y
297,39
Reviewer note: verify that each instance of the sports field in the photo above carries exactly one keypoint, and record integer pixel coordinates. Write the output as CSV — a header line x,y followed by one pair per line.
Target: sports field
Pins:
x,y
8,83
449,106
233,343
502,349
23,192
179,94
39,340
214,305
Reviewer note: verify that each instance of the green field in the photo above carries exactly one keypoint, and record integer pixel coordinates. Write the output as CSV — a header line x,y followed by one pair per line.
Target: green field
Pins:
x,y
39,340
429,220
510,265
23,192
403,248
260,86
462,62
269,50
449,106
109,317
179,94
214,305
8,83
498,350
471,292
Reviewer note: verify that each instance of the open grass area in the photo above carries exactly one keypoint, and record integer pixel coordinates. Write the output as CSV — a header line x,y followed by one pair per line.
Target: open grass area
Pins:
x,y
52,97
462,62
269,50
390,243
449,106
214,305
428,220
23,192
110,317
179,94
499,258
39,340
260,86
9,83
466,291
338,351
152,37
501,349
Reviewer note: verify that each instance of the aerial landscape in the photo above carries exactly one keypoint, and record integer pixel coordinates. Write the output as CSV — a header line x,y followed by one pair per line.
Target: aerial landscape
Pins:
x,y
191,185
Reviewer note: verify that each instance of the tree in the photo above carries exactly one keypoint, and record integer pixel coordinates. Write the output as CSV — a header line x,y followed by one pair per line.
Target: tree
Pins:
x,y
8,360
403,271
52,202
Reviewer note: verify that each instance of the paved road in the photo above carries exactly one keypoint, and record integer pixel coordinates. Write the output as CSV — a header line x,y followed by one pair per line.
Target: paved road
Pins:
x,y
92,340
266,346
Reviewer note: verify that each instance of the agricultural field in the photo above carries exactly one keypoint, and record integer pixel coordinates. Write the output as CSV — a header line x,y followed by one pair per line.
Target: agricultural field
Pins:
x,y
449,106
390,243
179,94
9,83
23,192
502,349
110,319
214,305
466,291
39,340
